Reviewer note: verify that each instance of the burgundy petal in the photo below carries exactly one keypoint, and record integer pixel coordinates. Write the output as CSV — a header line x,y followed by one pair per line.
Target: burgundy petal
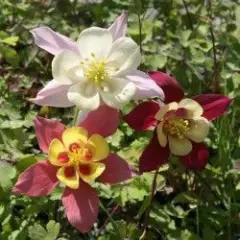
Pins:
x,y
81,206
37,180
153,156
103,121
117,170
171,88
142,117
214,105
197,158
46,130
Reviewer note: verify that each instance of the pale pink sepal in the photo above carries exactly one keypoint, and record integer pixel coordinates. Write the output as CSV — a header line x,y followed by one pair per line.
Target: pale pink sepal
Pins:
x,y
119,27
103,121
37,180
81,206
146,87
117,170
52,42
46,130
53,95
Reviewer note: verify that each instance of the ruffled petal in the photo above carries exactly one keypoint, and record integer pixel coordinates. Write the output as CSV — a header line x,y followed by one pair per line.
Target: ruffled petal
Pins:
x,y
171,88
69,176
120,93
193,108
53,94
214,105
84,96
81,206
119,27
55,153
46,130
63,67
153,156
162,137
197,158
95,42
51,41
165,109
37,180
74,135
124,56
199,129
103,121
179,146
142,117
117,170
98,146
146,87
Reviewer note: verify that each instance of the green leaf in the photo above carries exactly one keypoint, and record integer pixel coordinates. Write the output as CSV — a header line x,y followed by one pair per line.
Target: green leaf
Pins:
x,y
12,41
7,173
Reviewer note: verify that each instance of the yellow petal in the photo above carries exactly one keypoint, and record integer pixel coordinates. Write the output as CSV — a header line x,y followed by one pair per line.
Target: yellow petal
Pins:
x,y
193,108
56,148
90,172
72,180
162,138
179,146
74,135
166,108
98,146
199,129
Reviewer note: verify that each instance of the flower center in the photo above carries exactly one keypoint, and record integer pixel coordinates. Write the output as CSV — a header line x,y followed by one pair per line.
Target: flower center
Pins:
x,y
95,70
176,126
78,155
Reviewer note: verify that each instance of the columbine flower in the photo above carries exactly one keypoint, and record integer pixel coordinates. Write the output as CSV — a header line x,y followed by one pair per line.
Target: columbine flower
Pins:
x,y
180,126
100,67
77,157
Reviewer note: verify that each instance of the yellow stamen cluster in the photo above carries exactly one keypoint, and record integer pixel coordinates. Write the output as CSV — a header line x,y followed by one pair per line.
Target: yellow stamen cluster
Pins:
x,y
95,70
78,156
177,127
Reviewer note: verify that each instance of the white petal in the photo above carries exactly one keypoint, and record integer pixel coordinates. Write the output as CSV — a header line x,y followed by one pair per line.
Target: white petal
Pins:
x,y
146,87
84,96
95,40
199,129
162,137
124,56
53,95
119,27
193,107
164,109
179,146
61,65
118,92
51,41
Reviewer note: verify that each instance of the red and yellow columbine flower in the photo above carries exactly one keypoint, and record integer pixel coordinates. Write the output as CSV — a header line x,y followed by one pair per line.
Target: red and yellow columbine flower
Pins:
x,y
77,157
180,126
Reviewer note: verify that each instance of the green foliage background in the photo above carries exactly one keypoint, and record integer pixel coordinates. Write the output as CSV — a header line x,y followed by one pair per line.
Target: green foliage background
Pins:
x,y
197,41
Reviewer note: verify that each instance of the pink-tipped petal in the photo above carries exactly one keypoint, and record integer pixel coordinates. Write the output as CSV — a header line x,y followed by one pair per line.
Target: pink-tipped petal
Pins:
x,y
119,27
81,206
103,121
53,95
214,105
146,87
142,117
37,180
46,130
52,42
117,170
153,156
171,88
197,158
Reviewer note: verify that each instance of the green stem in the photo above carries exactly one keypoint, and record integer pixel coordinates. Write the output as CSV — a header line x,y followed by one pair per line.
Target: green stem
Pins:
x,y
110,217
75,118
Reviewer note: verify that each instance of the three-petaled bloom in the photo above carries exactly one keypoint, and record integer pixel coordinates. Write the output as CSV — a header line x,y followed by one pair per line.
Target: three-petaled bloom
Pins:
x,y
180,126
101,67
77,157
